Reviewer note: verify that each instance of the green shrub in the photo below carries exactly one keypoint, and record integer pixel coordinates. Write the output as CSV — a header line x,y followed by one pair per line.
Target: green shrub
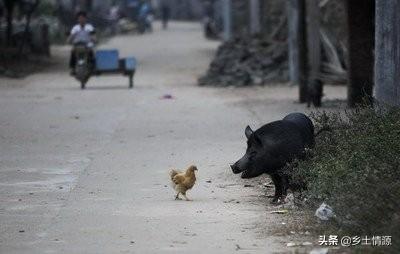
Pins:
x,y
355,169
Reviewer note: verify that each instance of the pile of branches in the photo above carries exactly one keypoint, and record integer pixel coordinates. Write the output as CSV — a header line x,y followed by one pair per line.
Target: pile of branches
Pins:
x,y
333,66
259,60
248,61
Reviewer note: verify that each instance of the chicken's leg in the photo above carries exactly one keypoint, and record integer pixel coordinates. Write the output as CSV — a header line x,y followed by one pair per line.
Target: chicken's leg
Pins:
x,y
187,199
177,196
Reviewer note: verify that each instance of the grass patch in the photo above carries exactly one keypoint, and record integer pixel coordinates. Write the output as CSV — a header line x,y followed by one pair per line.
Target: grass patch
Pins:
x,y
355,168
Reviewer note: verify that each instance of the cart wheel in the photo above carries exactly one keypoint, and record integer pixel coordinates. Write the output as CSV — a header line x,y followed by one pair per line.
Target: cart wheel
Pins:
x,y
131,81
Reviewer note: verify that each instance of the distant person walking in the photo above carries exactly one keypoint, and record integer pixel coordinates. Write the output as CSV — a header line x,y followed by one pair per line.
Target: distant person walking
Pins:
x,y
165,14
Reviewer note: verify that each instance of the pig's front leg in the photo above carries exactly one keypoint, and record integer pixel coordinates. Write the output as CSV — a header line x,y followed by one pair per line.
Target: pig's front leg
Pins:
x,y
279,188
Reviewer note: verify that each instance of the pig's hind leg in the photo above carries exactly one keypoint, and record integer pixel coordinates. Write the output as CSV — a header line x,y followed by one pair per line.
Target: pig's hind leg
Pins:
x,y
285,185
276,179
275,182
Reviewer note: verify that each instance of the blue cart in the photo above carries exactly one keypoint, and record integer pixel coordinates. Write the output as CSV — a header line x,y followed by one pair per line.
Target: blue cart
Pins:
x,y
107,61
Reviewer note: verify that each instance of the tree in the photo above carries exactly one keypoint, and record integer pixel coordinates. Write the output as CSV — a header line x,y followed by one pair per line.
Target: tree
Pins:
x,y
305,49
9,4
27,7
314,53
361,29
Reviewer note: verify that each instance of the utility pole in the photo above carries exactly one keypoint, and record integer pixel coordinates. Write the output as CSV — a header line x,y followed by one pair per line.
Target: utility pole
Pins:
x,y
297,46
387,52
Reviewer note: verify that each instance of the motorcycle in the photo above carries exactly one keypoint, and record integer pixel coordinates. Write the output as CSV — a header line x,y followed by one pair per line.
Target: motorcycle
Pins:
x,y
84,62
106,61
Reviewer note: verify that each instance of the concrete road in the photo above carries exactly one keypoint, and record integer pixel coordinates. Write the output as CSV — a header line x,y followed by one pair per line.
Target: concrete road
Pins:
x,y
87,171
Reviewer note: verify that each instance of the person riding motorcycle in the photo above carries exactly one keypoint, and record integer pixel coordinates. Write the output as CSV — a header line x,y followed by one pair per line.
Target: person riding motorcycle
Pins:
x,y
81,33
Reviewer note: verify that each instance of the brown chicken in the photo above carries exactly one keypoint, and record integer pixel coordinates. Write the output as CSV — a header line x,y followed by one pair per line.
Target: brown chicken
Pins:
x,y
183,181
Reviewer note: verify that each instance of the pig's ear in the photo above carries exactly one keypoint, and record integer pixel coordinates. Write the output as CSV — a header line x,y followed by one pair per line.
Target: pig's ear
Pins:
x,y
248,131
257,139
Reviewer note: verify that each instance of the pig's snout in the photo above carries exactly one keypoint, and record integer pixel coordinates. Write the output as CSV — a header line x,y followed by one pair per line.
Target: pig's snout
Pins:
x,y
235,168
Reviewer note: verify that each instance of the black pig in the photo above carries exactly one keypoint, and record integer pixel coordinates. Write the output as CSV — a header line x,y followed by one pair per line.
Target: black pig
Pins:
x,y
272,146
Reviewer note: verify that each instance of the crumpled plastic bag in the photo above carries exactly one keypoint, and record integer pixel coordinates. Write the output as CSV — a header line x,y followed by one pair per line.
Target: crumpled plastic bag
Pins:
x,y
324,212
